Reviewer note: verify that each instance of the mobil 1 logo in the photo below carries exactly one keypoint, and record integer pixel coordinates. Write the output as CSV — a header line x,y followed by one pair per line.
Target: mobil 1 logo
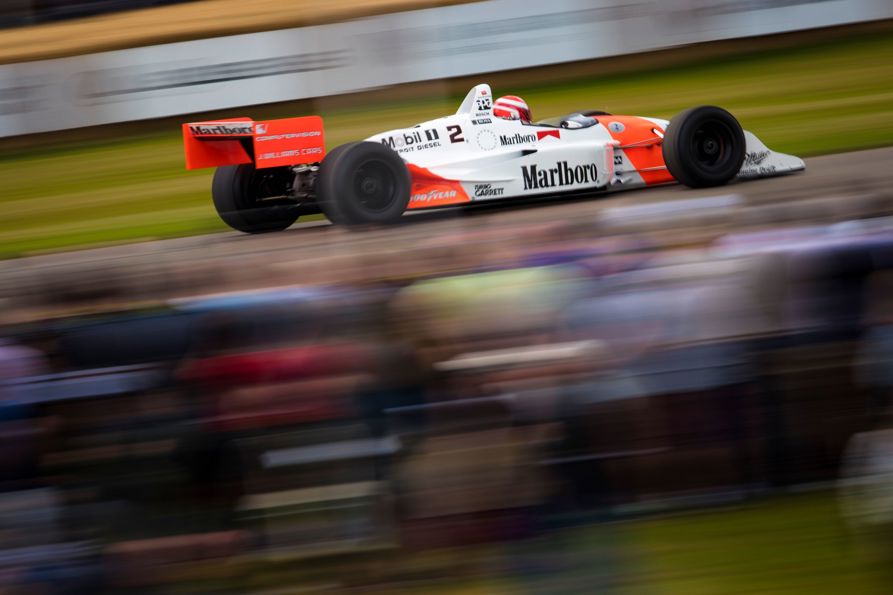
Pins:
x,y
417,140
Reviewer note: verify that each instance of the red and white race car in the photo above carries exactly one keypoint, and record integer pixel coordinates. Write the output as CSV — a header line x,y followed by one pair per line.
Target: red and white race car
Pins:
x,y
269,173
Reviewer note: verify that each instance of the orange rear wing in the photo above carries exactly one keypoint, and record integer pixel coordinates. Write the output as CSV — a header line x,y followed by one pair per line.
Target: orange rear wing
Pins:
x,y
268,143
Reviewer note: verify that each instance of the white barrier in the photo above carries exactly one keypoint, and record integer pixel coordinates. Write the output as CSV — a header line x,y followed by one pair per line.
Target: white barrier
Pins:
x,y
240,70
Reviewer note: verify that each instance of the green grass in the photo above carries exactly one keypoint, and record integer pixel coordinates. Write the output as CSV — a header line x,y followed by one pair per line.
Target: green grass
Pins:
x,y
807,101
787,545
792,545
783,546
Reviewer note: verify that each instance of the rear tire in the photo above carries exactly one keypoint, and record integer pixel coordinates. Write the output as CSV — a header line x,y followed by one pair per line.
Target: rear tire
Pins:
x,y
239,192
363,182
704,146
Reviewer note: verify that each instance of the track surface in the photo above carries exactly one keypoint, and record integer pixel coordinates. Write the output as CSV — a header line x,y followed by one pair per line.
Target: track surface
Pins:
x,y
224,261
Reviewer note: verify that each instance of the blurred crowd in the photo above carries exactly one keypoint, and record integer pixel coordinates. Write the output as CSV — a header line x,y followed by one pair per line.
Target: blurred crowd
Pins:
x,y
504,382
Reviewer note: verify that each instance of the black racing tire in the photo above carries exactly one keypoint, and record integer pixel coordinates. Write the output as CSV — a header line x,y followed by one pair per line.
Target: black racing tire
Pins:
x,y
331,212
704,146
364,182
238,192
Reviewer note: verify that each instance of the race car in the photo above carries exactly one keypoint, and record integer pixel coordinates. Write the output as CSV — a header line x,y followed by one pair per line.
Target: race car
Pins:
x,y
271,172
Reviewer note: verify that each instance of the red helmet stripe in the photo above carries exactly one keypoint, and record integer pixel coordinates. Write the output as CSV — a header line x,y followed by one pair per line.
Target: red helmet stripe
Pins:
x,y
511,106
506,101
508,110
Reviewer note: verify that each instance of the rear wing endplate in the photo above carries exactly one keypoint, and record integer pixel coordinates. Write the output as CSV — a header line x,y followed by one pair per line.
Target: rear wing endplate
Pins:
x,y
268,143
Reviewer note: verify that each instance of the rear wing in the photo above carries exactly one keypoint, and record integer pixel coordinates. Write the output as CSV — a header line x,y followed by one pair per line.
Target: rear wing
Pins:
x,y
268,143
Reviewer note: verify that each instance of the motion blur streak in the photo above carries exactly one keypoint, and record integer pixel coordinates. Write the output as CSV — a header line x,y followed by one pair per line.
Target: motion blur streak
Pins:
x,y
674,392
541,405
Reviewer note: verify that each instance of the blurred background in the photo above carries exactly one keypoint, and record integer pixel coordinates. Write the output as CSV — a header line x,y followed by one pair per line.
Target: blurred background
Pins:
x,y
679,392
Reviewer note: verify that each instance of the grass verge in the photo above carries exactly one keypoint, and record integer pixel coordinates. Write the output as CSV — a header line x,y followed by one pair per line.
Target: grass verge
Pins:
x,y
795,544
783,545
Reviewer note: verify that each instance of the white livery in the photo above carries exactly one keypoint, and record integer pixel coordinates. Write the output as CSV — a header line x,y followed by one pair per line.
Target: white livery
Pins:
x,y
473,156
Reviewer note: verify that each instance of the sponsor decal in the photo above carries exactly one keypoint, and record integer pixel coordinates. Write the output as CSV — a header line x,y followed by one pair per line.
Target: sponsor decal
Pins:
x,y
516,139
486,140
756,158
617,127
756,171
481,121
482,105
260,129
753,164
221,128
307,151
487,190
541,134
433,196
618,159
432,190
288,135
560,175
417,140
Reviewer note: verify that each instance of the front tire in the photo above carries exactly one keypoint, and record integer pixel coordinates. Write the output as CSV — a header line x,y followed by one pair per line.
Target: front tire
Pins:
x,y
704,146
363,182
253,200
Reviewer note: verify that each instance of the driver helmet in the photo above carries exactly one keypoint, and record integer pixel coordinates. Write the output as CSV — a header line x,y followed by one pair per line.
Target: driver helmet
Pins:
x,y
511,107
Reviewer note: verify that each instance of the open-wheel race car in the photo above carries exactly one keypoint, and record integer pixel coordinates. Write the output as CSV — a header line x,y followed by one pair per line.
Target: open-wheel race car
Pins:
x,y
271,172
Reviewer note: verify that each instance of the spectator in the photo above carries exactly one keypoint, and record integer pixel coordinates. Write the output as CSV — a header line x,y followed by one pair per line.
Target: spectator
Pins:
x,y
20,427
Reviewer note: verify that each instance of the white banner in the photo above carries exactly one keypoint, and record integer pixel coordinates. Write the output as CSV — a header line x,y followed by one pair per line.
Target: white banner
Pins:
x,y
466,39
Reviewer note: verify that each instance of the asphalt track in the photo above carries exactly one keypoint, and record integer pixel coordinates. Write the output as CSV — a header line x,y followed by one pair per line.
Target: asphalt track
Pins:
x,y
833,187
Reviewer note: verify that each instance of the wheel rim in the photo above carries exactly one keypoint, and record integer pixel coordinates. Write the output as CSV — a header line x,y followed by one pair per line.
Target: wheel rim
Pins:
x,y
375,185
711,145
